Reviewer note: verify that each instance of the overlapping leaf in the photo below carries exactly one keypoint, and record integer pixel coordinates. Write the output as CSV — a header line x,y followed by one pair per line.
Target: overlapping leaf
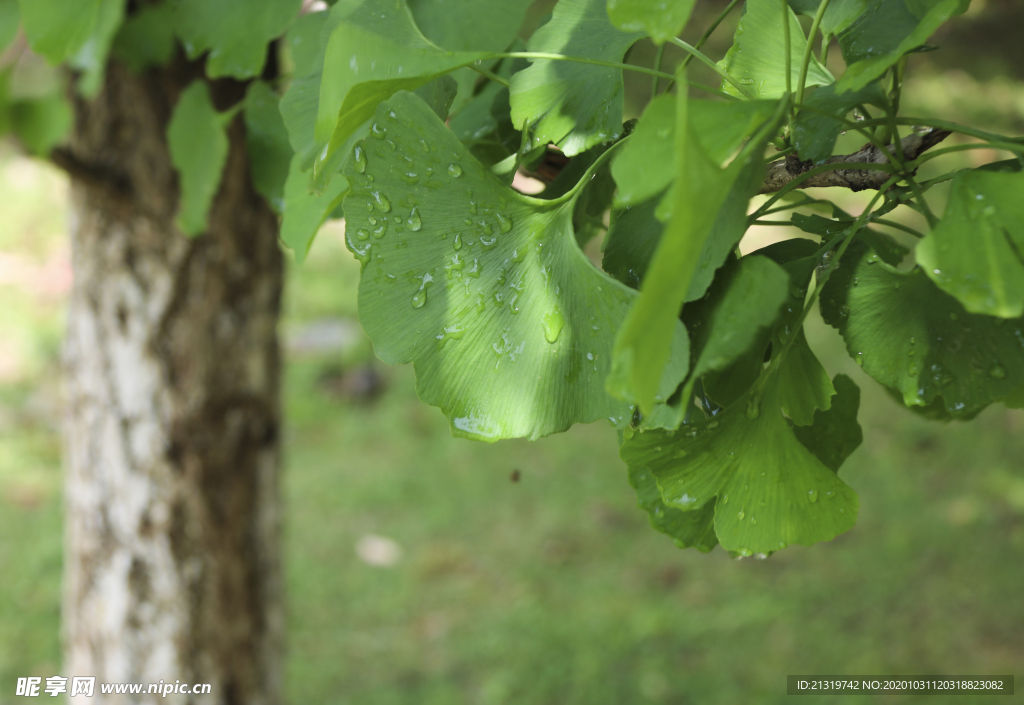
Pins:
x,y
374,51
304,210
199,149
914,338
307,40
769,490
757,58
701,197
267,143
815,130
234,32
571,104
660,20
885,31
839,15
508,324
976,252
146,38
835,433
688,529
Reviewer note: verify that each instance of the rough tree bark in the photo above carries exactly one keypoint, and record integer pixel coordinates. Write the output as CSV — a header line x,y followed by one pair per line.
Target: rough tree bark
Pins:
x,y
172,567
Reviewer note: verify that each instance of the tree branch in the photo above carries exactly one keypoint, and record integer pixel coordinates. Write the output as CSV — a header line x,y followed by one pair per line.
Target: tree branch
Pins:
x,y
784,171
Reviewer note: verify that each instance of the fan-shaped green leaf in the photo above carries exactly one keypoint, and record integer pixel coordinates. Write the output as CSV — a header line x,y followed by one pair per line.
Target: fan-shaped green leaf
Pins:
x,y
305,211
757,57
975,251
769,489
234,32
885,31
199,149
307,40
374,51
659,19
914,338
571,104
508,324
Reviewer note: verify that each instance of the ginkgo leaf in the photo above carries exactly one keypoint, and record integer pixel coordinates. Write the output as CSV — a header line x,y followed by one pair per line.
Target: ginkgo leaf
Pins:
x,y
835,433
769,490
77,31
267,144
374,51
661,20
146,37
976,252
884,246
508,324
234,32
199,149
885,31
745,298
815,132
919,341
701,197
688,529
571,104
757,58
307,41
304,210
839,14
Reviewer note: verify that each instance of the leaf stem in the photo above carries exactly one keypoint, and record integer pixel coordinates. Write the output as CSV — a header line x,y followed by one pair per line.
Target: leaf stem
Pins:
x,y
808,50
898,226
491,75
786,39
657,67
696,53
588,174
710,30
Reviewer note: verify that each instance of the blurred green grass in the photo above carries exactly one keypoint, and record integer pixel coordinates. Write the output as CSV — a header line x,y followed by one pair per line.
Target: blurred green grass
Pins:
x,y
552,589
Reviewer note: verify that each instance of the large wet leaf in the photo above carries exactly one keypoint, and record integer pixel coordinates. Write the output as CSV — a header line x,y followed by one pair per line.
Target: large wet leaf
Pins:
x,y
757,58
659,19
571,104
508,324
914,338
199,149
975,251
234,32
769,489
375,50
887,30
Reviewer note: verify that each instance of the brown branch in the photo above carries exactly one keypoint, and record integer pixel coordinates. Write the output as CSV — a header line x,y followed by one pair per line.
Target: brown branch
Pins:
x,y
784,171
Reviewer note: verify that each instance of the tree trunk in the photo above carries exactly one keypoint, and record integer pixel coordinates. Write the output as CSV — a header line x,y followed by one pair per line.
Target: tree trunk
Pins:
x,y
172,568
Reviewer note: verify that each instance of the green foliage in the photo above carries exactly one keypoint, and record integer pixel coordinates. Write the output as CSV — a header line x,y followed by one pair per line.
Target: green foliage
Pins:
x,y
234,32
199,150
758,57
417,116
573,105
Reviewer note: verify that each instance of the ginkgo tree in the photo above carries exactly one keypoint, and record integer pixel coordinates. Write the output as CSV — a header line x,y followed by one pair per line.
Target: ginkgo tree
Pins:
x,y
201,131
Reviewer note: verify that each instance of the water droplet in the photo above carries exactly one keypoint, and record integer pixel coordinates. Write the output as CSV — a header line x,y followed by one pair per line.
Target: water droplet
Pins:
x,y
362,234
359,156
741,514
725,499
553,324
754,407
998,372
457,244
419,298
377,131
381,201
504,222
812,495
454,170
380,231
452,332
414,222
472,208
